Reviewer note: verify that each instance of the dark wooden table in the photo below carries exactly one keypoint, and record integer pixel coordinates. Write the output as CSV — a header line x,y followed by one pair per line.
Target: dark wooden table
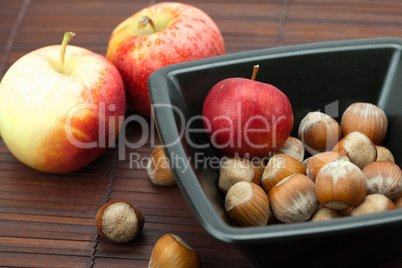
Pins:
x,y
48,220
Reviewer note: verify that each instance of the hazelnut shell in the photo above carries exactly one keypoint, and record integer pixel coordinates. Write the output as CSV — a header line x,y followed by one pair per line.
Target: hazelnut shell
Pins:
x,y
172,251
366,118
279,167
293,199
247,204
340,185
123,224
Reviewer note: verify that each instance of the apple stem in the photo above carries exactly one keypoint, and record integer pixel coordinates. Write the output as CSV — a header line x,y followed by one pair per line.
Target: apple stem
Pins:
x,y
67,37
255,71
144,21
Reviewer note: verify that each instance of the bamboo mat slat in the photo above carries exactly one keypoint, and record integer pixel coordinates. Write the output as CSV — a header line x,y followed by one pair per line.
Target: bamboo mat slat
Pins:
x,y
47,220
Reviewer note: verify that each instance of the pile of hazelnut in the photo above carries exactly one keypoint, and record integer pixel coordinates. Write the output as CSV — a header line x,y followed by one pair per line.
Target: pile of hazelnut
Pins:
x,y
347,175
344,176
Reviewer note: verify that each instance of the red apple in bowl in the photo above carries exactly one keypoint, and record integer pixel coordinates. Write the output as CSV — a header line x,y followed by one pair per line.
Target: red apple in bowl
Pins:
x,y
247,118
60,107
157,36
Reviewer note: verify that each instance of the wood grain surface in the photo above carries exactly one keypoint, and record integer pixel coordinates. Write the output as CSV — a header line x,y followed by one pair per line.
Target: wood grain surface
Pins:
x,y
47,220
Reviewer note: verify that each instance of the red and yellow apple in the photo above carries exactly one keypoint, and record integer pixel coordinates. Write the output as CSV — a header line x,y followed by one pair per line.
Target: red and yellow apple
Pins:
x,y
247,118
157,36
59,107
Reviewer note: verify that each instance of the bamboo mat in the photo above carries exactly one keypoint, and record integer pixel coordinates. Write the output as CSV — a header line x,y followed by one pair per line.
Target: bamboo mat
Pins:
x,y
48,220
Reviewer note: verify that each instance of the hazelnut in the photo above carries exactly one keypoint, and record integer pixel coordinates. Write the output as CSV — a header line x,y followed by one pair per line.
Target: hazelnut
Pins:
x,y
366,118
319,132
293,199
373,203
340,185
325,213
172,251
383,177
358,147
237,169
293,147
119,221
279,167
247,204
384,154
158,168
321,159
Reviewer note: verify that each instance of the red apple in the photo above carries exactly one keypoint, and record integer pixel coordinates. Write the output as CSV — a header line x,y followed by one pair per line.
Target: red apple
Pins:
x,y
247,118
160,35
60,107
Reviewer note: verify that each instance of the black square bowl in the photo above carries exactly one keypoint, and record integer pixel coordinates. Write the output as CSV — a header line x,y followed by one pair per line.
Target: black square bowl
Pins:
x,y
325,76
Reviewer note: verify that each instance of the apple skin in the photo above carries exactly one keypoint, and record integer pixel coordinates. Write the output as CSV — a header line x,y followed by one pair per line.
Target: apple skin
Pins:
x,y
35,100
183,33
247,118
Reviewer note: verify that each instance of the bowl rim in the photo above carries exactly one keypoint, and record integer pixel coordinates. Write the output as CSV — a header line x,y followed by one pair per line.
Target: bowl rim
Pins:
x,y
191,187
